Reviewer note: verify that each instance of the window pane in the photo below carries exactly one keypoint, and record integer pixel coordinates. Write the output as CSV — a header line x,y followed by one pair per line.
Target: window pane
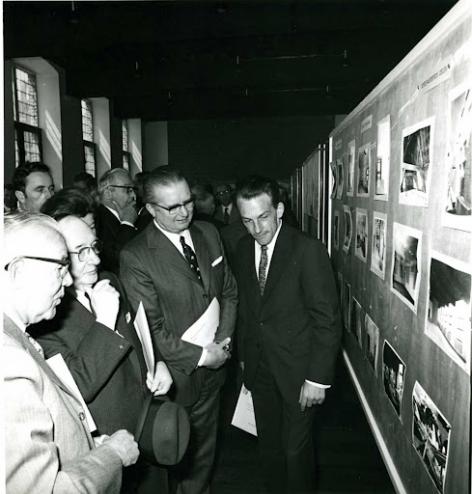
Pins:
x,y
89,152
17,150
31,142
27,98
124,128
126,161
87,120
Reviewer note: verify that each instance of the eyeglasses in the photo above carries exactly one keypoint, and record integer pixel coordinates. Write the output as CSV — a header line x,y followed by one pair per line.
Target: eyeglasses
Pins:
x,y
130,189
223,192
64,263
175,208
84,252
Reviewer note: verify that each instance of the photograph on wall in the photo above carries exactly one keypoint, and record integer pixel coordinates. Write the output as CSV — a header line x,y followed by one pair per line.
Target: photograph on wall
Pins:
x,y
406,264
430,436
362,233
416,163
346,305
336,230
357,320
394,370
366,124
382,163
457,211
347,228
448,321
372,342
379,244
351,163
363,170
340,172
334,176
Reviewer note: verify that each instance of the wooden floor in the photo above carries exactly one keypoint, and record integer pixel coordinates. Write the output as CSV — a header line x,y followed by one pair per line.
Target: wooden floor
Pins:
x,y
348,460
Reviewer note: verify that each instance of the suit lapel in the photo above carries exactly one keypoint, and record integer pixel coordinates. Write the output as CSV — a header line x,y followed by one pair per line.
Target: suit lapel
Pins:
x,y
249,272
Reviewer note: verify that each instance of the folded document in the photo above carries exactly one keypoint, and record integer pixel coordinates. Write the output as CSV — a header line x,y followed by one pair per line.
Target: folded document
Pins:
x,y
202,331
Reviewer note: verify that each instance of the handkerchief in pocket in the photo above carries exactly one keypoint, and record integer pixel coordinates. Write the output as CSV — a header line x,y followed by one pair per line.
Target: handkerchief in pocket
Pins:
x,y
216,261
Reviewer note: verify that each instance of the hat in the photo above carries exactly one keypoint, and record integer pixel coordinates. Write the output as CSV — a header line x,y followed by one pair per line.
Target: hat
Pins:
x,y
163,431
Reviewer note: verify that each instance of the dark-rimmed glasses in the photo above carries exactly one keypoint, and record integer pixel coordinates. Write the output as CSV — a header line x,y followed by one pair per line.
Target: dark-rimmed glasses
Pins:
x,y
84,252
130,189
175,208
64,263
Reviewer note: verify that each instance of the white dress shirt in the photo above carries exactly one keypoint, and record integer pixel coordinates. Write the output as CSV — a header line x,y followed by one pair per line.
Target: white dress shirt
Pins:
x,y
117,216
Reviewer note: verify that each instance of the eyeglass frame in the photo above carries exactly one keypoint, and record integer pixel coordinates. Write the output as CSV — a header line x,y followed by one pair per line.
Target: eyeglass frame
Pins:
x,y
174,209
96,246
130,188
65,263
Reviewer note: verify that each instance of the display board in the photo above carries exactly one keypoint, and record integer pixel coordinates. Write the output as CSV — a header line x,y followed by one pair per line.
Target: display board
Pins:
x,y
401,248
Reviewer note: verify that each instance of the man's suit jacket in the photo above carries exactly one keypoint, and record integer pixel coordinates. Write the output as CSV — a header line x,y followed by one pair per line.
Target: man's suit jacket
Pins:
x,y
155,272
109,369
48,446
114,236
296,323
234,215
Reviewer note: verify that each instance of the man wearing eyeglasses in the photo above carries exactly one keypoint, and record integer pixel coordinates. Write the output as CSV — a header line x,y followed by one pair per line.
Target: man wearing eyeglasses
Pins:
x,y
116,215
227,212
176,268
48,444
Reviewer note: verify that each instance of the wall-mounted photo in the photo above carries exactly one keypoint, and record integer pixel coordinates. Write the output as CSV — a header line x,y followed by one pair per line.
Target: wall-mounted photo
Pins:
x,y
336,230
340,172
416,163
406,264
363,170
334,178
357,320
372,342
382,163
366,124
457,211
351,164
347,228
346,305
362,235
448,321
394,371
379,244
430,436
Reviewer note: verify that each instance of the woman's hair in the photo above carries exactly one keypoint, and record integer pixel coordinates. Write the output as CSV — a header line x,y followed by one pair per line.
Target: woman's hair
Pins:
x,y
69,202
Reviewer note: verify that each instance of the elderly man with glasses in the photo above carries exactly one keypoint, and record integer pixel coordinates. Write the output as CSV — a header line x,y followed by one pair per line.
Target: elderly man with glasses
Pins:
x,y
48,444
116,215
177,269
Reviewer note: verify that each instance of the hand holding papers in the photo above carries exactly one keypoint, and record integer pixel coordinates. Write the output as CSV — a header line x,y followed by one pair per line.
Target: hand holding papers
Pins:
x,y
244,417
202,331
160,383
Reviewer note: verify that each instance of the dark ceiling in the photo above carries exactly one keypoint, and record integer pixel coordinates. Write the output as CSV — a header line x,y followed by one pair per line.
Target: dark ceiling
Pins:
x,y
192,60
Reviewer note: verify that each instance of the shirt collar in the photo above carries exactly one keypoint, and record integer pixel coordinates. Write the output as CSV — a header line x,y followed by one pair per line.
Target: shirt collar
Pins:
x,y
175,237
271,244
13,316
115,213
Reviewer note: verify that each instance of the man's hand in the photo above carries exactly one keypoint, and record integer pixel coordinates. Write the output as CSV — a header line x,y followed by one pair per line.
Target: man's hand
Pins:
x,y
311,395
128,213
105,301
162,380
217,354
124,445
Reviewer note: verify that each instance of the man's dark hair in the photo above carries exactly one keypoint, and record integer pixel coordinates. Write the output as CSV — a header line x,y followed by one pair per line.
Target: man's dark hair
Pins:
x,y
255,185
69,202
19,177
162,176
86,181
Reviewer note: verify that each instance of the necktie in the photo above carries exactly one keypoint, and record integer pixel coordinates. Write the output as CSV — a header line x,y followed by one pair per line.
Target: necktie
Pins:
x,y
263,268
226,216
191,258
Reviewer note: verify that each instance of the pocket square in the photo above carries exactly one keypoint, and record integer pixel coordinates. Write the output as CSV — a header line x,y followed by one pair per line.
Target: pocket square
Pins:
x,y
216,261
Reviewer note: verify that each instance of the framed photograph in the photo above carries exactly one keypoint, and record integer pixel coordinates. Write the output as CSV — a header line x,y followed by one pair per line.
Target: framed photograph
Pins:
x,y
415,176
372,342
357,320
382,163
363,170
366,123
340,172
394,371
347,228
431,434
362,235
351,164
347,306
336,230
458,199
406,264
448,321
334,174
379,244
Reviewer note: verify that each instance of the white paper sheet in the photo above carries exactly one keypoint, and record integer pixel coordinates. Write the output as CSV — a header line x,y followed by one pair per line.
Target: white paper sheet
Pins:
x,y
244,417
202,331
142,329
59,367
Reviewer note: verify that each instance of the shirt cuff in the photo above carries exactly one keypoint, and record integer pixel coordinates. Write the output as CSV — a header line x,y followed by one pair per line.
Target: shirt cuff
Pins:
x,y
202,358
318,385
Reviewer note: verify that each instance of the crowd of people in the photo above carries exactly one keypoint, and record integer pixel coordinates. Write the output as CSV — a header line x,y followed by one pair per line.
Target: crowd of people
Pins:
x,y
80,262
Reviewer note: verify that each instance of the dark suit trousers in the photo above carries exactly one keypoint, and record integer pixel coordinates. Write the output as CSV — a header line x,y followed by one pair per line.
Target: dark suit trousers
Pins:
x,y
284,435
192,475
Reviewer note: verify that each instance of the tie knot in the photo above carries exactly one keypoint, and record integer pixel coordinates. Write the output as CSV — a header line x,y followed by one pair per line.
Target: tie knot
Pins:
x,y
182,241
264,248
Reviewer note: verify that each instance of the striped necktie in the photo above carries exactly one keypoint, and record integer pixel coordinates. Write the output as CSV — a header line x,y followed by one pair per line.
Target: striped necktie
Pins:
x,y
191,258
263,268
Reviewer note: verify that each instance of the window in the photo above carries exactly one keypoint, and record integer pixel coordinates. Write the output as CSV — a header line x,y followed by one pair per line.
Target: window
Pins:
x,y
125,149
26,115
87,136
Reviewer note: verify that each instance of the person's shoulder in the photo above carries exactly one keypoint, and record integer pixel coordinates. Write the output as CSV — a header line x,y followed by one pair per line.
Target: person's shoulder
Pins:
x,y
205,227
303,239
139,241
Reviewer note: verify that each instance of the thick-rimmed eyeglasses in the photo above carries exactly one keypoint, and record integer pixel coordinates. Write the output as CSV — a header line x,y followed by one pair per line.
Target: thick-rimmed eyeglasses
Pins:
x,y
175,208
130,189
84,252
64,263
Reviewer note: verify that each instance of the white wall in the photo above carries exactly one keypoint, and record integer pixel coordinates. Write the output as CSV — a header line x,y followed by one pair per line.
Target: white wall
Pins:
x,y
155,145
101,131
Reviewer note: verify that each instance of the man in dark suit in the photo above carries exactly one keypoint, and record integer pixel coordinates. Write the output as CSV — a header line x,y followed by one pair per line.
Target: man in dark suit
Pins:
x,y
288,333
226,211
176,269
93,333
116,215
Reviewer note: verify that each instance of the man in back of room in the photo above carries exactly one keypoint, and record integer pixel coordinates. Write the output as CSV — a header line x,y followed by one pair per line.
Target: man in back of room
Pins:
x,y
33,186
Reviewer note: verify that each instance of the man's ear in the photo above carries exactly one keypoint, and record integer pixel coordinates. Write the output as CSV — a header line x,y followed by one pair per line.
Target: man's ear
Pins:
x,y
15,270
280,210
151,210
20,196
